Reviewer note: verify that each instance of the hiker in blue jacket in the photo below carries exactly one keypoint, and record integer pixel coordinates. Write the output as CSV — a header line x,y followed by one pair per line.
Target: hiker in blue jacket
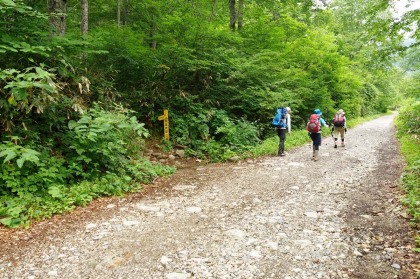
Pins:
x,y
281,132
316,121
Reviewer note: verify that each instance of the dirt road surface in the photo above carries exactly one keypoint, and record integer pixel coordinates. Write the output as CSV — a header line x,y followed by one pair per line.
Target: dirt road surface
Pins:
x,y
274,217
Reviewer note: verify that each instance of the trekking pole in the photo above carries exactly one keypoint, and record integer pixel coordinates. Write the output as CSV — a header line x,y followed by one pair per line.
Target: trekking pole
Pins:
x,y
332,130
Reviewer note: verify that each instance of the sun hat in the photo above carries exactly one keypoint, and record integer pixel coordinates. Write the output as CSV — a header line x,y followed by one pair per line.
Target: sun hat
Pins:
x,y
288,109
341,111
318,111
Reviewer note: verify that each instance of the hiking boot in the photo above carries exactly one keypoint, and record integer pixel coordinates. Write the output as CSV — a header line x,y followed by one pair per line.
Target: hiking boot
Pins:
x,y
282,154
335,145
316,155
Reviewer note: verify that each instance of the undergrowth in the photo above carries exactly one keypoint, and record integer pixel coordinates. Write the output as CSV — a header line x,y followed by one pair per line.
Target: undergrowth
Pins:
x,y
408,125
99,154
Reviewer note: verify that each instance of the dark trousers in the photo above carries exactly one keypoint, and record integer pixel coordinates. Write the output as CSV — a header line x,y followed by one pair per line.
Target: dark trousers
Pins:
x,y
316,140
282,135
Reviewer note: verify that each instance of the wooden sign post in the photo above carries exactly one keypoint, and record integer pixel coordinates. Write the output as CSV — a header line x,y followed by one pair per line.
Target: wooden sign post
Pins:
x,y
165,118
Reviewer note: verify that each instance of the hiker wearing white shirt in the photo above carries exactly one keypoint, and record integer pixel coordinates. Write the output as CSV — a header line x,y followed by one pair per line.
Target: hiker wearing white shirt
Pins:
x,y
339,127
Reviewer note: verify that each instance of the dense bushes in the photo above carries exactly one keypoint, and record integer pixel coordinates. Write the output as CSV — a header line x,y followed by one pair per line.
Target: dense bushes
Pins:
x,y
408,124
213,134
99,154
409,119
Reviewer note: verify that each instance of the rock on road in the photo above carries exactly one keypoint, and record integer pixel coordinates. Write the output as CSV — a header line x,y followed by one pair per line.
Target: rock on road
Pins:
x,y
275,217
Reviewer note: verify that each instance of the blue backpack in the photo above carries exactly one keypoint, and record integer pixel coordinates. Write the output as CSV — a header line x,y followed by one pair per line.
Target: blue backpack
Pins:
x,y
279,121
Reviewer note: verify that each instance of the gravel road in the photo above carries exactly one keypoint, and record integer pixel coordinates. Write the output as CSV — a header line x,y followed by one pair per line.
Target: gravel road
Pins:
x,y
274,217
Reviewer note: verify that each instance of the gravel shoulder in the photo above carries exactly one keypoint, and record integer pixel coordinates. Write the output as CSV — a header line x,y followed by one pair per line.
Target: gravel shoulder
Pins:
x,y
274,217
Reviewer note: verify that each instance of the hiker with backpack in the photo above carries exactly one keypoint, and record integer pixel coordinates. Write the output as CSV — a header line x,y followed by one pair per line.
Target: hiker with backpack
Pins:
x,y
339,127
314,128
281,123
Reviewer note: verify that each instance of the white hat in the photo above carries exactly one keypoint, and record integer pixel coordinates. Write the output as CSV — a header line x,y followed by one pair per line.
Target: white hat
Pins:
x,y
288,109
341,111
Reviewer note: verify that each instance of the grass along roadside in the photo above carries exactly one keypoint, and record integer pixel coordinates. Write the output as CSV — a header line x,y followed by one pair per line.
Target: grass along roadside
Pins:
x,y
410,149
408,125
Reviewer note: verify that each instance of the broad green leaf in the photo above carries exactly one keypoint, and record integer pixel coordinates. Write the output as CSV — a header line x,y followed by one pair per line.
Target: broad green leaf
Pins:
x,y
15,211
20,162
72,124
7,221
55,192
19,94
8,3
10,154
6,48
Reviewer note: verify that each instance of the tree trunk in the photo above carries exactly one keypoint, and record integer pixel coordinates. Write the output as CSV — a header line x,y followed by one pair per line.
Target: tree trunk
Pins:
x,y
240,15
213,10
152,33
84,16
125,12
118,13
57,16
232,10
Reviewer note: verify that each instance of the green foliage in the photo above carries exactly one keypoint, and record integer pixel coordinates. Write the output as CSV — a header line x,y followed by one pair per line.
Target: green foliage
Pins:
x,y
20,210
99,154
407,124
27,171
60,150
102,141
212,133
409,119
270,145
411,178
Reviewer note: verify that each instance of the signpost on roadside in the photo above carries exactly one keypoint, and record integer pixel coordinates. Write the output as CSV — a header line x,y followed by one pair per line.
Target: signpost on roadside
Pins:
x,y
165,118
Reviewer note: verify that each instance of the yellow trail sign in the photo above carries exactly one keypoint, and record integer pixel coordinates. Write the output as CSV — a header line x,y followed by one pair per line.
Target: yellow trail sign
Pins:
x,y
165,118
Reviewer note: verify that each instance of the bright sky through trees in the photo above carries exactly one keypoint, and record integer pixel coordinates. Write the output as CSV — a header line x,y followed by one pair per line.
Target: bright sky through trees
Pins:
x,y
402,6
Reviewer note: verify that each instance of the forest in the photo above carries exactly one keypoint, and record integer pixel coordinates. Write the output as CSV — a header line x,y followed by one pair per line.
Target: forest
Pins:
x,y
83,83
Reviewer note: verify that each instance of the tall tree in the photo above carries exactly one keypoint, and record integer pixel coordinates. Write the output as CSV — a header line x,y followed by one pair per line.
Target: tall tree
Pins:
x,y
236,15
153,33
125,12
232,10
84,16
240,14
118,13
57,16
213,10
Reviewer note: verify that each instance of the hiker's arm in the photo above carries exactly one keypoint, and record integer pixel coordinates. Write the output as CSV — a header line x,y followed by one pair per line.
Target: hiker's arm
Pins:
x,y
289,123
323,122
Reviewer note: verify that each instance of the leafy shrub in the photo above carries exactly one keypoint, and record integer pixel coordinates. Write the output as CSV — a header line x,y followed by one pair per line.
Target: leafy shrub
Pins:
x,y
27,171
100,155
102,141
409,119
212,133
237,134
408,133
